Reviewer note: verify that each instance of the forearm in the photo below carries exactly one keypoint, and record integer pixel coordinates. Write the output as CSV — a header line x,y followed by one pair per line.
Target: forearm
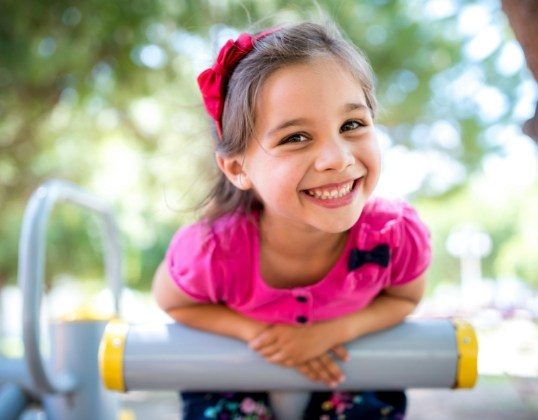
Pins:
x,y
383,312
218,319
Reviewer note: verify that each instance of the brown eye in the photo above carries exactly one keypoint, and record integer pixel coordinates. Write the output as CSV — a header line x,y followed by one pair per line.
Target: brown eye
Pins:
x,y
351,125
295,138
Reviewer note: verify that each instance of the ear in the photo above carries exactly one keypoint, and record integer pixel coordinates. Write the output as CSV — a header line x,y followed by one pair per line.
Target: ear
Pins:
x,y
232,167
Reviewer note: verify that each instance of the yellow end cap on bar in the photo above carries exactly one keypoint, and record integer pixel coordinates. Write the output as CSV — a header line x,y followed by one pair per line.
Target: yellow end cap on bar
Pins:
x,y
467,354
111,351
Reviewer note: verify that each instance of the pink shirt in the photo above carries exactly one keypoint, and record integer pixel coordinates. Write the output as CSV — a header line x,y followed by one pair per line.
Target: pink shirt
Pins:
x,y
220,263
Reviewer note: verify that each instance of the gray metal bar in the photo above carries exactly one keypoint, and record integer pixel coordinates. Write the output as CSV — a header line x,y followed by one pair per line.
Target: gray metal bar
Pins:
x,y
31,270
14,371
74,349
33,413
13,401
415,354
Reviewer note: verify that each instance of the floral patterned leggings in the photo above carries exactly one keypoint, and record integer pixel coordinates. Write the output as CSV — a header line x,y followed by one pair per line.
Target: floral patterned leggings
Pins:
x,y
368,405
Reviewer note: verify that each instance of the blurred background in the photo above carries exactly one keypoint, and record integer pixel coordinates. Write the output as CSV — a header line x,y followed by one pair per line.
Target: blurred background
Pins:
x,y
103,93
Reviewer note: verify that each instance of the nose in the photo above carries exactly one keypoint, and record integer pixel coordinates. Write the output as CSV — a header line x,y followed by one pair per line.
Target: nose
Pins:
x,y
334,154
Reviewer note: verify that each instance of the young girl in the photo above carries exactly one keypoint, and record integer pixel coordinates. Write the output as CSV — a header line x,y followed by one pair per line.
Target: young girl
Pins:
x,y
292,256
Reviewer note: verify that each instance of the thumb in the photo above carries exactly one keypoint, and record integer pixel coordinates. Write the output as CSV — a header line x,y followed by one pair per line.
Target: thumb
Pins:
x,y
341,352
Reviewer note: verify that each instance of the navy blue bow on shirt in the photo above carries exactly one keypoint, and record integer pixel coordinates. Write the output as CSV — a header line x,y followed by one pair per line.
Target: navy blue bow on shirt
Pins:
x,y
378,255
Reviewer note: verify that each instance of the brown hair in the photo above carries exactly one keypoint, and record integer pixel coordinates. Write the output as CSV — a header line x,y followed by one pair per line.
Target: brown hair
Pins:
x,y
289,45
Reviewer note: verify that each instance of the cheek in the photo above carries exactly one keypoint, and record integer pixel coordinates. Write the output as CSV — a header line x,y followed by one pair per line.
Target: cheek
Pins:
x,y
278,180
371,156
375,169
376,160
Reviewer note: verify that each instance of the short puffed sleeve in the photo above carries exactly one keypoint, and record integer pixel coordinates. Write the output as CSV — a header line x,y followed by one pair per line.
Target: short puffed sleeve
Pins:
x,y
412,255
193,264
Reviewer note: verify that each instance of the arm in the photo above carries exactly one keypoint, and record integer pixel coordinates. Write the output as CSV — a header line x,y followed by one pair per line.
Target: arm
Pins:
x,y
292,345
389,308
218,319
409,261
210,317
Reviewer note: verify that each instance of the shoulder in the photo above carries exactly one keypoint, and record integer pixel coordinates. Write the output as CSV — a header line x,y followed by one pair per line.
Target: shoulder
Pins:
x,y
219,236
234,230
398,224
226,227
393,217
202,256
378,212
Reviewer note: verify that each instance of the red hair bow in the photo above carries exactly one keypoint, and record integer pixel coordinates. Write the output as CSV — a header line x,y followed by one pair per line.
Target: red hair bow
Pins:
x,y
214,80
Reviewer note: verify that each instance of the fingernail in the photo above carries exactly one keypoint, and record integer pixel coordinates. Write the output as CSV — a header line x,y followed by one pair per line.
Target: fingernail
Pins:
x,y
333,384
342,378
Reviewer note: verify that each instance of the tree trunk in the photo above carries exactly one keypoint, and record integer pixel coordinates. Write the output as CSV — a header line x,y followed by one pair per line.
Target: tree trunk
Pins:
x,y
523,18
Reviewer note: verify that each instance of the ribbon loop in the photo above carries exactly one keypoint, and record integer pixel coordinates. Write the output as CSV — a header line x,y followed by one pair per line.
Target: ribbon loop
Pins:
x,y
213,81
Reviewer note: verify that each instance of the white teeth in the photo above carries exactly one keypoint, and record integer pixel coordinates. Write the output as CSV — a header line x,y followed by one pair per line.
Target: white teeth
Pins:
x,y
330,194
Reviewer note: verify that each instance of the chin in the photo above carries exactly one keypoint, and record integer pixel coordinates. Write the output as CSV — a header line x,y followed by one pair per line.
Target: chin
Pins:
x,y
340,225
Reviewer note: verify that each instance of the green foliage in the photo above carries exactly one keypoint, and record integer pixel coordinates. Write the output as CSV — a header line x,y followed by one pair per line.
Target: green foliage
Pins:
x,y
73,244
507,218
103,93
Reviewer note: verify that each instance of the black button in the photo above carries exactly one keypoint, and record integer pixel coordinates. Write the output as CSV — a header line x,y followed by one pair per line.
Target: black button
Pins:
x,y
302,299
302,319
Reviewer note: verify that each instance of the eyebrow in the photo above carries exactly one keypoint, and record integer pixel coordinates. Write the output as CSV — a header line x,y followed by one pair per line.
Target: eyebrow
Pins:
x,y
286,124
298,121
353,106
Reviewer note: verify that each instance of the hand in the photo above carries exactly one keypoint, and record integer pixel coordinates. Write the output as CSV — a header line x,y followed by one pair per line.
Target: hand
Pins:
x,y
324,369
290,345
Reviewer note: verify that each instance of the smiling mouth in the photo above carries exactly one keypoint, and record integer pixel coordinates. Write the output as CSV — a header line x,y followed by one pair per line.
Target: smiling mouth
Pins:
x,y
333,192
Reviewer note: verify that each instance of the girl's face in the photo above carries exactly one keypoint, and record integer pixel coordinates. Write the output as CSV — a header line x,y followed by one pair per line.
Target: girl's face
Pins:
x,y
314,158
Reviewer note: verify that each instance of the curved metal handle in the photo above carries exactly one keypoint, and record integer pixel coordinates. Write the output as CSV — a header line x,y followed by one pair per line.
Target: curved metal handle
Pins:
x,y
31,270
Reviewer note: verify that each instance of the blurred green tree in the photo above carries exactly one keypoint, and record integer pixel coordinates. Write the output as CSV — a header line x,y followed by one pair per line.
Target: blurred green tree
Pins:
x,y
103,94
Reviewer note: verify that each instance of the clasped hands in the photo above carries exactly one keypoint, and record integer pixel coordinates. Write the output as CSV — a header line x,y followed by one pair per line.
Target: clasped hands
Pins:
x,y
310,349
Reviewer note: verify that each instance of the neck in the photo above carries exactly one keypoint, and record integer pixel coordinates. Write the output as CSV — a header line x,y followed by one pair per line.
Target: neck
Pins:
x,y
298,241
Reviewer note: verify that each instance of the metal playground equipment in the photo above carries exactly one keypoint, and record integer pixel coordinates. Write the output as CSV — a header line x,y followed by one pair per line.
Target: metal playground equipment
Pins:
x,y
92,359
66,384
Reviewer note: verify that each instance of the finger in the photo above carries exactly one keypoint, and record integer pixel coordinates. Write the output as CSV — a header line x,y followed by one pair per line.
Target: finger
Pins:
x,y
334,370
264,339
268,350
282,362
307,370
280,358
341,352
323,374
289,363
331,372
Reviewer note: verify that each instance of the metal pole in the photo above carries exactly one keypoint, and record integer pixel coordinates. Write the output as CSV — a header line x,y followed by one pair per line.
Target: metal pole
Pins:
x,y
13,401
67,383
74,349
414,354
31,271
